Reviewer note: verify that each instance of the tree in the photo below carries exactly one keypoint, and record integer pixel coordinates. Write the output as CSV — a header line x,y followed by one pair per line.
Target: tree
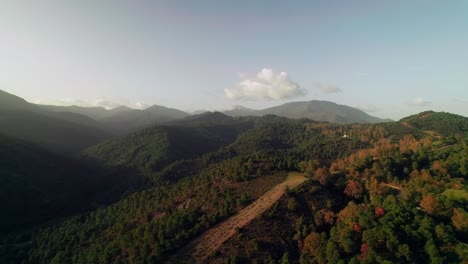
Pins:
x,y
460,219
292,204
285,258
354,189
379,212
364,251
429,204
357,228
333,255
321,175
312,243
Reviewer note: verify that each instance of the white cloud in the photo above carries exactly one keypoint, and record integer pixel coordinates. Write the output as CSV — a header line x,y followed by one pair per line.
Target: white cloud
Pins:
x,y
368,108
141,105
100,102
419,102
328,88
105,103
267,85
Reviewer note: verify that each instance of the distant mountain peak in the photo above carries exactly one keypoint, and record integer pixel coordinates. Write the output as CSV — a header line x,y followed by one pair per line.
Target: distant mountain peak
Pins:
x,y
121,108
317,110
208,117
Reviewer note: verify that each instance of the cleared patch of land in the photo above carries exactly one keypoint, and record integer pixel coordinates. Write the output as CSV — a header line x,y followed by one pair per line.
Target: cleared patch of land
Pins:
x,y
201,247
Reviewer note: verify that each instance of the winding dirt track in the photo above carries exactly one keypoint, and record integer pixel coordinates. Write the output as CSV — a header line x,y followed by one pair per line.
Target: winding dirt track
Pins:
x,y
201,247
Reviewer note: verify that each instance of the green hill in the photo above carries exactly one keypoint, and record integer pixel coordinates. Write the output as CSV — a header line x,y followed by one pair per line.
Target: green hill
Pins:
x,y
152,149
440,122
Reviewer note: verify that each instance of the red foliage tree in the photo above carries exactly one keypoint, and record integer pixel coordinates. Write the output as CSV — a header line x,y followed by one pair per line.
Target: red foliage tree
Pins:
x,y
364,251
357,228
379,212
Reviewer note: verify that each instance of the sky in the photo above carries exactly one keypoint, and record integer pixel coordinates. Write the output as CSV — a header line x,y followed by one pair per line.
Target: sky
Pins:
x,y
388,58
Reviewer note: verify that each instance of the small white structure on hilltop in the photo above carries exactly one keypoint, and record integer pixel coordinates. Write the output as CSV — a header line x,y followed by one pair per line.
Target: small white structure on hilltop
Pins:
x,y
345,136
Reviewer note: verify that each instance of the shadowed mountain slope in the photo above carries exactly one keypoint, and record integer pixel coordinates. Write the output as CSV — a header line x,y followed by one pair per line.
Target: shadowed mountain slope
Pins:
x,y
61,132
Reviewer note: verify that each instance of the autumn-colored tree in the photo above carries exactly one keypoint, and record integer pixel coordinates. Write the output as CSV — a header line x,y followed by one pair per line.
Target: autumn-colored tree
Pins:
x,y
354,189
408,142
351,211
439,167
324,217
429,204
374,188
364,251
329,217
337,166
311,243
363,154
321,175
426,142
357,228
460,220
379,212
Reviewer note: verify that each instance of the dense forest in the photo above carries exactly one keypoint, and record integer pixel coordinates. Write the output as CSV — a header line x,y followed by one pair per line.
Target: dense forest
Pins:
x,y
377,193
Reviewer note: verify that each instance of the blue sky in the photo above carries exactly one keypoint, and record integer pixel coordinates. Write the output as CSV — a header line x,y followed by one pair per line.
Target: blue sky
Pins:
x,y
389,58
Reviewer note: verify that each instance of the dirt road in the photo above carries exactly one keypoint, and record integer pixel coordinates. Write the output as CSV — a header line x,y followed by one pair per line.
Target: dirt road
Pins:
x,y
200,248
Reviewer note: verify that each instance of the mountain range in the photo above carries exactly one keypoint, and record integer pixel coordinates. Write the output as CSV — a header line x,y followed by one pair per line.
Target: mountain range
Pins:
x,y
322,111
122,119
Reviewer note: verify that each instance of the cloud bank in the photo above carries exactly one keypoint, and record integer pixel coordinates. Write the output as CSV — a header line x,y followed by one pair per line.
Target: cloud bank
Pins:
x,y
100,102
267,85
419,102
328,88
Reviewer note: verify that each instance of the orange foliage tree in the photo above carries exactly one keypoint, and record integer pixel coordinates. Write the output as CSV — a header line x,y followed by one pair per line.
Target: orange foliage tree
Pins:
x,y
354,189
460,220
429,204
311,243
322,175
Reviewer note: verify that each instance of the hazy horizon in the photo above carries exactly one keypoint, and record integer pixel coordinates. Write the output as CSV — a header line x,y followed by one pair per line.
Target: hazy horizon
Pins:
x,y
388,58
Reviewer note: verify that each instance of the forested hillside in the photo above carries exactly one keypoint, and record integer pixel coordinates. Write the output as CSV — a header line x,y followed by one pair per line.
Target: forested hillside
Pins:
x,y
150,150
400,202
377,193
38,185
